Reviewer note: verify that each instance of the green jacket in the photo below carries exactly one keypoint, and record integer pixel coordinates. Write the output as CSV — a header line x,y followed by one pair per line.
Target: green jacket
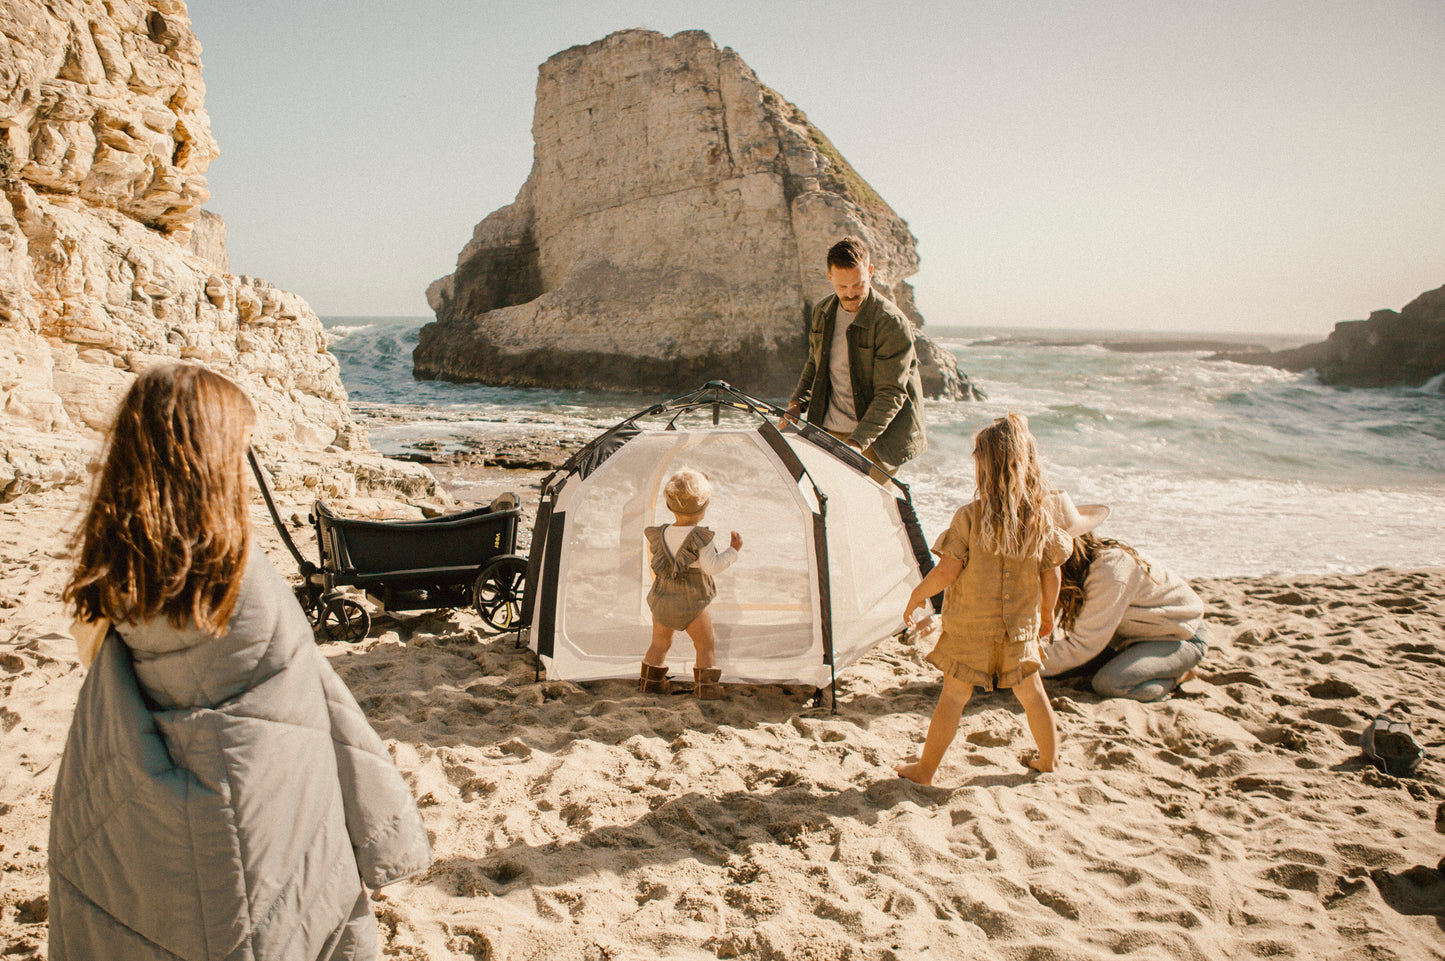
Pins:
x,y
887,391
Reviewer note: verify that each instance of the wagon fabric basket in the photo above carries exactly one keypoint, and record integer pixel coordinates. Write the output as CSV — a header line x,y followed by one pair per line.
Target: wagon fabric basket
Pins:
x,y
829,556
450,561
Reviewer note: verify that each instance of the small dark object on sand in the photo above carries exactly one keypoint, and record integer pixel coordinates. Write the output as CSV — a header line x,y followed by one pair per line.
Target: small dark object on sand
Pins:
x,y
1390,746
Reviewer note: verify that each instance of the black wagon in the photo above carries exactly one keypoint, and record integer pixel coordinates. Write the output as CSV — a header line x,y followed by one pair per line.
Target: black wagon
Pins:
x,y
455,560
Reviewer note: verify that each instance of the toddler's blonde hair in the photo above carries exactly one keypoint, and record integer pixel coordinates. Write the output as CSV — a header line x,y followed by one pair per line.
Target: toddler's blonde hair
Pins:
x,y
687,492
1011,488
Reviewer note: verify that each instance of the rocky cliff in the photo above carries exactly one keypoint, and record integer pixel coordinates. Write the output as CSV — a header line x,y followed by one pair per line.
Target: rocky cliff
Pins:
x,y
1404,348
108,264
672,231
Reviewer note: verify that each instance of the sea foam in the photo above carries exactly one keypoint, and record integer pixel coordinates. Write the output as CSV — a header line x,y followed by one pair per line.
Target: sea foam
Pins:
x,y
1211,468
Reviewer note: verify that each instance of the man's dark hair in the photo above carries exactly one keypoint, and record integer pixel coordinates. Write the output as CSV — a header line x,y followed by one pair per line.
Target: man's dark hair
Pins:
x,y
848,253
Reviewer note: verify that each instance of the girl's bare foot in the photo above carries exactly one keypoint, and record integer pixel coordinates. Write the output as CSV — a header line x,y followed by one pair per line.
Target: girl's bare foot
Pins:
x,y
1188,675
915,773
1037,763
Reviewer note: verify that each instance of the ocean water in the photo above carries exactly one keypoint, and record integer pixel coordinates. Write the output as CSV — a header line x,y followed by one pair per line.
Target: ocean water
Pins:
x,y
1214,469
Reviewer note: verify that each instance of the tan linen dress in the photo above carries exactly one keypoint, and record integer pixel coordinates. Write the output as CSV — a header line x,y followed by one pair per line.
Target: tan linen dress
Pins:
x,y
991,617
680,592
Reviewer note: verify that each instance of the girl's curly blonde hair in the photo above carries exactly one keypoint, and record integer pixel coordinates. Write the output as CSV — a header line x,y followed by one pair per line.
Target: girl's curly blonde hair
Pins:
x,y
1011,488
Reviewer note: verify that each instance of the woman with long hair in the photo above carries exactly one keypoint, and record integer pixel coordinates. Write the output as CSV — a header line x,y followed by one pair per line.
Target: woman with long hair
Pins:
x,y
221,794
1136,625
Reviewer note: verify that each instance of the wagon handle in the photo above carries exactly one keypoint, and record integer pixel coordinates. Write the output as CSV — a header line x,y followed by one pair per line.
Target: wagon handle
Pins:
x,y
307,568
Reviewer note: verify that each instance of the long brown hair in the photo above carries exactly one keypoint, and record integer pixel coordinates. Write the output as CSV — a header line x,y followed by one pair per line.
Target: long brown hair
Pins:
x,y
1076,570
1011,488
167,530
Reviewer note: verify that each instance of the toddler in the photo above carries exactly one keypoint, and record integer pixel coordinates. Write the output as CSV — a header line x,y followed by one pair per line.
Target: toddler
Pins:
x,y
684,561
998,568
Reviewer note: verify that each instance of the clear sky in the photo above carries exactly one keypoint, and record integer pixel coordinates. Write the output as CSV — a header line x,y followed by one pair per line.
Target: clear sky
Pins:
x,y
1249,165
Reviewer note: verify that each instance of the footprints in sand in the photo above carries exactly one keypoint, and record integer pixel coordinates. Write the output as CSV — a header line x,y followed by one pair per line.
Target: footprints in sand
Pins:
x,y
1226,678
1057,901
469,786
1271,786
1290,598
1335,717
469,942
584,820
1332,688
988,737
1184,828
1410,605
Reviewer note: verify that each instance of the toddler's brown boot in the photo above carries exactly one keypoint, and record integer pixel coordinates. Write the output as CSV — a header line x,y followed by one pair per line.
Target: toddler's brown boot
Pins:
x,y
705,683
654,680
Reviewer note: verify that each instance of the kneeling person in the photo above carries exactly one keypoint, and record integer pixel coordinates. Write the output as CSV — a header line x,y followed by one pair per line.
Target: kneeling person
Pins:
x,y
1143,622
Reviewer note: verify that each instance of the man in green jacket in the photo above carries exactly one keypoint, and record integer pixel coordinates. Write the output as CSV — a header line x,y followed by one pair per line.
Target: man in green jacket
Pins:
x,y
861,380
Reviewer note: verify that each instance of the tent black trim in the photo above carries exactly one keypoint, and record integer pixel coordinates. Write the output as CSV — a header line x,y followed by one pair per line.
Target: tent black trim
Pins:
x,y
785,453
551,562
534,558
921,552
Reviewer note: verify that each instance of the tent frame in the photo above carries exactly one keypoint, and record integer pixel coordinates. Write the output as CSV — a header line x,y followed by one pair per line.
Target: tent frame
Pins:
x,y
545,554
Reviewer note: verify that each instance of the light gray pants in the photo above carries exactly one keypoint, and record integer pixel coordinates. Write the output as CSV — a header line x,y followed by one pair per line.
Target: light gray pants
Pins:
x,y
1149,670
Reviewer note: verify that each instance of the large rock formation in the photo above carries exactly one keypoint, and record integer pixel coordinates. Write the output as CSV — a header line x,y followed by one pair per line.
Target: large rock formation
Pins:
x,y
1404,348
108,264
672,231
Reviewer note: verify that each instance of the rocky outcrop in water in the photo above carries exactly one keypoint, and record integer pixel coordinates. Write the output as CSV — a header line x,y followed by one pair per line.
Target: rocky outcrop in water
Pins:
x,y
1404,348
672,231
108,264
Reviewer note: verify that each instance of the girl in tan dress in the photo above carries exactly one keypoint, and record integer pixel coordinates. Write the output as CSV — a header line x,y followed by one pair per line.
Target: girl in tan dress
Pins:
x,y
684,560
998,568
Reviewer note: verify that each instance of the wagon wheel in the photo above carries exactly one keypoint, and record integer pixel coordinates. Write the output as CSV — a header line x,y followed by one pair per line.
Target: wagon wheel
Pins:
x,y
344,619
308,601
497,593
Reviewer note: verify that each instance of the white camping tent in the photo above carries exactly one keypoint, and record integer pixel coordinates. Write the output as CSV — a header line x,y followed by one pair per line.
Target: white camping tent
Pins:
x,y
828,560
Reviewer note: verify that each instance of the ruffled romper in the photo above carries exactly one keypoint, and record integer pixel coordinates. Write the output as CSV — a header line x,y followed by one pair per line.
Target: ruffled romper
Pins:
x,y
991,612
680,592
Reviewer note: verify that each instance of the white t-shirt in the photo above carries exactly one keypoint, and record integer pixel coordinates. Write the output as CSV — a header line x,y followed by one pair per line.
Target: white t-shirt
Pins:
x,y
710,560
842,415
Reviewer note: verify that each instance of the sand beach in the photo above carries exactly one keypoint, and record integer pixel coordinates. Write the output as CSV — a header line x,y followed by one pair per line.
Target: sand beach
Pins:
x,y
1234,820
1181,171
